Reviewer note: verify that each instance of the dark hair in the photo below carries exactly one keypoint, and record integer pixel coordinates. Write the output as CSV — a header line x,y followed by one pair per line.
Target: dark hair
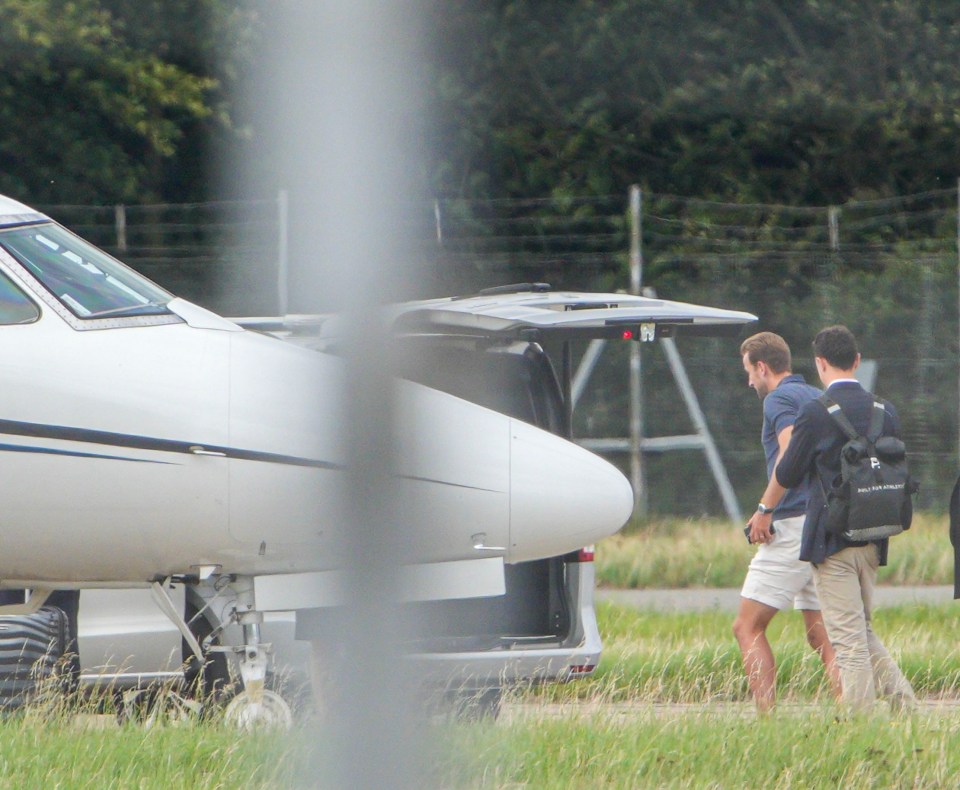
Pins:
x,y
769,348
837,345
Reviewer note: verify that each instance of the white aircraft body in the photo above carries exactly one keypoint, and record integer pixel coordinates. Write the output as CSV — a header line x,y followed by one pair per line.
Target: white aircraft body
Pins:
x,y
148,451
145,439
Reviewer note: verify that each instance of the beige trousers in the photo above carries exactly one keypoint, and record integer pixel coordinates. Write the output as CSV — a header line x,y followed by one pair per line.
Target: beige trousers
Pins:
x,y
845,582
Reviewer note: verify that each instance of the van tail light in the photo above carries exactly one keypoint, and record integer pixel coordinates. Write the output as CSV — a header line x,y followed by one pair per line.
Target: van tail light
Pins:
x,y
582,669
585,554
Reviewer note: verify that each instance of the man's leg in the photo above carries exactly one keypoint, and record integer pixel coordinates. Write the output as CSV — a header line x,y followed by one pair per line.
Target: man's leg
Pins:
x,y
890,681
820,642
838,586
750,629
774,580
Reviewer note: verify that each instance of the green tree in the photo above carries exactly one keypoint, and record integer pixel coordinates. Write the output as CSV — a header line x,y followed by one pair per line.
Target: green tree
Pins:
x,y
811,102
97,105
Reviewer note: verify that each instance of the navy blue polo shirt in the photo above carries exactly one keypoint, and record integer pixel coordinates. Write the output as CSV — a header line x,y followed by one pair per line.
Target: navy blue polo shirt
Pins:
x,y
780,410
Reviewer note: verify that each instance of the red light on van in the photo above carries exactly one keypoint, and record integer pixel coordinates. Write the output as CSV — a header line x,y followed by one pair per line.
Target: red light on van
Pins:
x,y
627,334
582,669
585,554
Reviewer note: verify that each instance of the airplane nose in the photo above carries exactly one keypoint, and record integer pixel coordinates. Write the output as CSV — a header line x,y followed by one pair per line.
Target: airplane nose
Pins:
x,y
562,497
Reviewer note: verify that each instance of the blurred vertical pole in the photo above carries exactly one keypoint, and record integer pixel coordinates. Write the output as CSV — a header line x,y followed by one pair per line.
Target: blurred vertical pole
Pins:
x,y
637,476
342,103
369,62
958,308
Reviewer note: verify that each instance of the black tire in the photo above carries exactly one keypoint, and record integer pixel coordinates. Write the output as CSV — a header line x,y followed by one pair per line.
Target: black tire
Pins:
x,y
476,706
211,680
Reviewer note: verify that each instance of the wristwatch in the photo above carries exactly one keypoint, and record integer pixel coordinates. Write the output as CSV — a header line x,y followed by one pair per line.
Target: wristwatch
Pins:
x,y
762,509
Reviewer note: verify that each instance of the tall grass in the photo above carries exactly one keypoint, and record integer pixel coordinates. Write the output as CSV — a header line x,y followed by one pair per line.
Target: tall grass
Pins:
x,y
682,716
582,746
714,553
692,657
682,719
64,751
811,748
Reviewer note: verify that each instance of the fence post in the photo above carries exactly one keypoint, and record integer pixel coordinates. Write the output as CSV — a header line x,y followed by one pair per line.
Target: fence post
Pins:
x,y
437,217
282,229
833,224
637,472
636,240
120,222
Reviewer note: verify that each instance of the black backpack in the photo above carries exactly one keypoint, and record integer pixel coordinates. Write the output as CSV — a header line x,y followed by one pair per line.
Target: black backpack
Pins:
x,y
870,500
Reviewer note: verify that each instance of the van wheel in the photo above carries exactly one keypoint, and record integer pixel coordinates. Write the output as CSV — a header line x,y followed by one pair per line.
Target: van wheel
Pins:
x,y
475,706
211,681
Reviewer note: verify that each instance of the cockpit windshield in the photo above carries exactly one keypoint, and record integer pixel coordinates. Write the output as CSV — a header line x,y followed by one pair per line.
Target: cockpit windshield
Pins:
x,y
86,280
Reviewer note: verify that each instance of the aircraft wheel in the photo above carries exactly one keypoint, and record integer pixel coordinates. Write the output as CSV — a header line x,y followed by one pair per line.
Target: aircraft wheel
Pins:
x,y
270,711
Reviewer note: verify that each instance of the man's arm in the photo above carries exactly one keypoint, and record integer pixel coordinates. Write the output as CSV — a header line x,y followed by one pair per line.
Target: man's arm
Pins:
x,y
759,523
796,462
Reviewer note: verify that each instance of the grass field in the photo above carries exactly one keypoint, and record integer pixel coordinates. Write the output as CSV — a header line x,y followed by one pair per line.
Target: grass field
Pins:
x,y
692,657
810,748
714,553
61,751
687,724
678,712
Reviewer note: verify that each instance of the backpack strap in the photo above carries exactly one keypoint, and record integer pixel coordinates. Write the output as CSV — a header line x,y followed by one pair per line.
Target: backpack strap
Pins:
x,y
834,410
876,422
876,419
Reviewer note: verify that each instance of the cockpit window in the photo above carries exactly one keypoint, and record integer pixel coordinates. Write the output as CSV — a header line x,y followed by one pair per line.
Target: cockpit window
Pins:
x,y
86,280
15,306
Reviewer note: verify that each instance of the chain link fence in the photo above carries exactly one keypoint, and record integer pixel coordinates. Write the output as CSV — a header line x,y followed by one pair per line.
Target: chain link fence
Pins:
x,y
886,268
222,255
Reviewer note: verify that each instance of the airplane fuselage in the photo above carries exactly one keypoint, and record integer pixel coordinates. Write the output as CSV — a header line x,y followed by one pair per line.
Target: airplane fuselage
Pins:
x,y
134,451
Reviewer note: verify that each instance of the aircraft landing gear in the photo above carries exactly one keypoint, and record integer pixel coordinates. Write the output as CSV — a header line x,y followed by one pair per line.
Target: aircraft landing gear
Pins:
x,y
255,706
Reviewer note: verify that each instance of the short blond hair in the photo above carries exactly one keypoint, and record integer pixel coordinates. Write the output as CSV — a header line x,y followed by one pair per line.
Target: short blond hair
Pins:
x,y
769,348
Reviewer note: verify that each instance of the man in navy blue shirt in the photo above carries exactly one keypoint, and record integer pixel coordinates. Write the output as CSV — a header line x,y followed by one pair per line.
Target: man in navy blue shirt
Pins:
x,y
776,577
845,572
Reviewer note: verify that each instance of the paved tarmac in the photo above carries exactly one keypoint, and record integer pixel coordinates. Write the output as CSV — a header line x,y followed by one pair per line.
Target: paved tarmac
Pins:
x,y
728,600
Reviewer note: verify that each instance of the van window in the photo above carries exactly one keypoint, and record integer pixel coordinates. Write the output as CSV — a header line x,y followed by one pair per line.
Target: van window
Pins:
x,y
15,306
522,386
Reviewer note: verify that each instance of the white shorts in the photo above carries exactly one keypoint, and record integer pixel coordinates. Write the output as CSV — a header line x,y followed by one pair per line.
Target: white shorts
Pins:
x,y
776,577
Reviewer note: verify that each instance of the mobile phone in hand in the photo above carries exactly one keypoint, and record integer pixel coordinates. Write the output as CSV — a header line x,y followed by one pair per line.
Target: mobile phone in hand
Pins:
x,y
746,531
